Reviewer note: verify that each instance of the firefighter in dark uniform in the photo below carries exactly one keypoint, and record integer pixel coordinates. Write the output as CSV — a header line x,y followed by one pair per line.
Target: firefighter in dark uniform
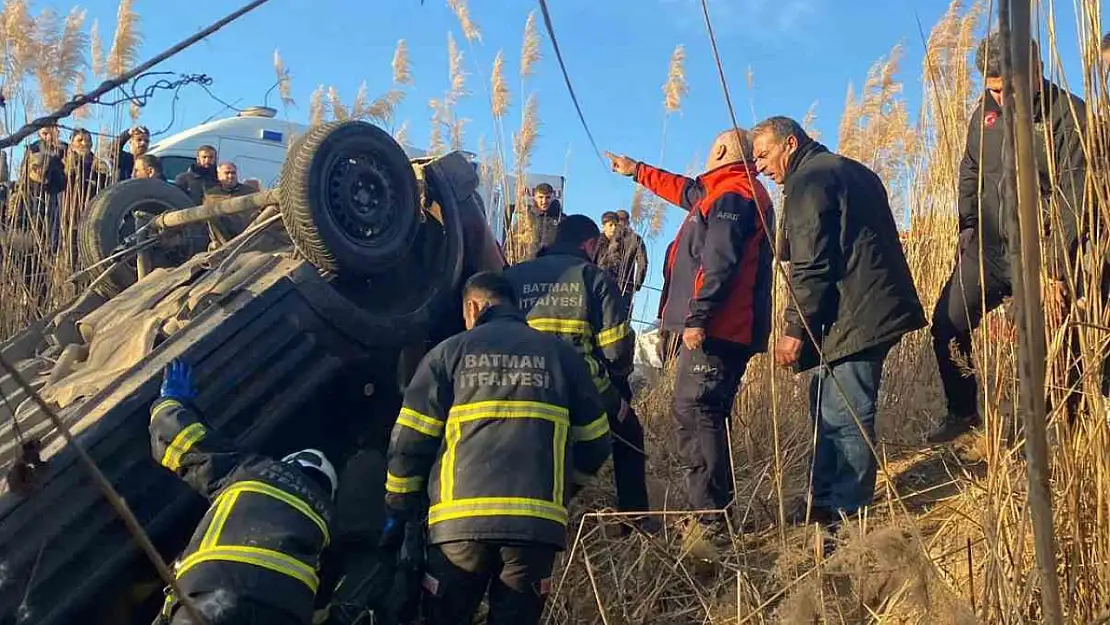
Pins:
x,y
255,557
565,294
499,427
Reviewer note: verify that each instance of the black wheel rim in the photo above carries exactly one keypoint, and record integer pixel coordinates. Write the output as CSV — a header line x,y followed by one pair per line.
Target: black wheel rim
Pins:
x,y
359,197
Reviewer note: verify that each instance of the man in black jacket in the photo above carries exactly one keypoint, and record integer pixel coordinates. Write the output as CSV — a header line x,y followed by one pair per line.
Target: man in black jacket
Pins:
x,y
565,294
256,555
623,255
852,299
498,427
201,175
540,219
985,235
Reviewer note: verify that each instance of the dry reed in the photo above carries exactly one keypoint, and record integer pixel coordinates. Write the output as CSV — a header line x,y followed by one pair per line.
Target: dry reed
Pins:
x,y
402,67
284,81
462,12
530,51
675,89
316,110
96,51
499,87
125,43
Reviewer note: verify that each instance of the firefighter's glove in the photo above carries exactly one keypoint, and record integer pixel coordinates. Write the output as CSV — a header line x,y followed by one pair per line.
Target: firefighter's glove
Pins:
x,y
393,533
177,382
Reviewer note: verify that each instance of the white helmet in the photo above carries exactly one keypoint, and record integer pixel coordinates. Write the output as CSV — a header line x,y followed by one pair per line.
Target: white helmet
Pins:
x,y
315,460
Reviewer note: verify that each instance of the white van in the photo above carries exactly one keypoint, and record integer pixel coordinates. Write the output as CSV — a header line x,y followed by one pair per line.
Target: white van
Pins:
x,y
256,141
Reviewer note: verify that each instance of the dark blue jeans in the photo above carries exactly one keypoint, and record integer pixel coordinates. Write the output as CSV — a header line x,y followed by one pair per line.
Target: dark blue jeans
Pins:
x,y
844,466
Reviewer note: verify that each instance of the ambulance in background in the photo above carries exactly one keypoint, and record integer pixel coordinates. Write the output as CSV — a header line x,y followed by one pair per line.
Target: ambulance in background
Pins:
x,y
256,141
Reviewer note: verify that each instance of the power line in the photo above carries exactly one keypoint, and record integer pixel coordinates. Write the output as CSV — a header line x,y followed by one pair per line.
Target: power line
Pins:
x,y
108,85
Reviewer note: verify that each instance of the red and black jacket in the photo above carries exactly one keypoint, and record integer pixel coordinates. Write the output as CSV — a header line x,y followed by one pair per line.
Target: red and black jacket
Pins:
x,y
719,267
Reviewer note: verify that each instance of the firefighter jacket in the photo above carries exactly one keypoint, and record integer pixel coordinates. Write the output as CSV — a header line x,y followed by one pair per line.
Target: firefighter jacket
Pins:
x,y
496,427
564,294
263,536
718,269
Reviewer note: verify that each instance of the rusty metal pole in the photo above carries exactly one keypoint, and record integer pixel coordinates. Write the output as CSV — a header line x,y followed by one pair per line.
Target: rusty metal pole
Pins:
x,y
1020,175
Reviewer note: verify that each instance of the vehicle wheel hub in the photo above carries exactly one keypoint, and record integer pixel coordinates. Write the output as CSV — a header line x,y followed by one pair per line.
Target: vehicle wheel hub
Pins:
x,y
360,198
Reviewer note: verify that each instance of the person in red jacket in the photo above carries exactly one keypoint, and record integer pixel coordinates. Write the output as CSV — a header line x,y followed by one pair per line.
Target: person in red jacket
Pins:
x,y
718,300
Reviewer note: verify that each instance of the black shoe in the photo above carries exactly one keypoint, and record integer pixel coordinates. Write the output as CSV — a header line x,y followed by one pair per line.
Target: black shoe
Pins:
x,y
816,514
953,427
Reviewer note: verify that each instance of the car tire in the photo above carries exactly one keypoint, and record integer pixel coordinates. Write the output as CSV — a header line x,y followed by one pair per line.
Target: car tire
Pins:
x,y
349,199
106,224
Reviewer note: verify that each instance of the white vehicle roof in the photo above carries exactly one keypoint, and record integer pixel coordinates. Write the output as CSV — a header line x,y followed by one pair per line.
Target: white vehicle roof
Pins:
x,y
256,141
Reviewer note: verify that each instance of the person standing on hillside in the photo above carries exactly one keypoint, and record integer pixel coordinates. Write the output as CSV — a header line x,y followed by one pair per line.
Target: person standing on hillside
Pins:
x,y
718,300
623,256
565,294
852,298
985,236
499,427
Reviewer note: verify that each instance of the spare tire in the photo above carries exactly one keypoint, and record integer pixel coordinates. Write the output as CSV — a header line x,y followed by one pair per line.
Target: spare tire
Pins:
x,y
110,219
349,199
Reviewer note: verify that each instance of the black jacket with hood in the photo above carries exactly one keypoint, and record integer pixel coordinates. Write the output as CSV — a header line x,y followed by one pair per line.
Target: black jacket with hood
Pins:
x,y
1058,119
847,267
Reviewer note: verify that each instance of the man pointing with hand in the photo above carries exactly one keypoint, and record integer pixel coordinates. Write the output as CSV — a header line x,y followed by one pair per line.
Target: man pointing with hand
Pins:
x,y
718,300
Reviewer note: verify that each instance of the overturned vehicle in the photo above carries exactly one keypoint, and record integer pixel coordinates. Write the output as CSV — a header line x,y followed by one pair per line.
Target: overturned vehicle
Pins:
x,y
301,330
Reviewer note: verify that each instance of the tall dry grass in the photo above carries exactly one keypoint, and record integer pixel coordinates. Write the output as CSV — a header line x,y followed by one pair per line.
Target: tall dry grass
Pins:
x,y
949,538
45,59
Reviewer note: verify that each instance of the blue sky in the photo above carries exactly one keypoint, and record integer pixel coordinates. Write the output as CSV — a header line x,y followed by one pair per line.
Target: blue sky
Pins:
x,y
617,52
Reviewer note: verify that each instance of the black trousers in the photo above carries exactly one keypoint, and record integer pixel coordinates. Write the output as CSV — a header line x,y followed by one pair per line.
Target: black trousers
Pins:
x,y
459,574
705,388
958,313
629,462
220,609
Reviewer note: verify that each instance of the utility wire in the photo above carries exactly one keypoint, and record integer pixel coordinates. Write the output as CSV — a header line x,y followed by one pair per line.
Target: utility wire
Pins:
x,y
108,85
566,77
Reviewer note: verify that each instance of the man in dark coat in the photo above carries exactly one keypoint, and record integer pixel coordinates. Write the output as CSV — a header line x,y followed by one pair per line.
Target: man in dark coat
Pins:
x,y
226,227
540,220
623,255
200,176
719,301
985,237
852,298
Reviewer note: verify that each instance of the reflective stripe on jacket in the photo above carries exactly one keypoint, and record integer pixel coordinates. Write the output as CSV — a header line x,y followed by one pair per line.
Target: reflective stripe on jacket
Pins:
x,y
564,294
496,424
268,524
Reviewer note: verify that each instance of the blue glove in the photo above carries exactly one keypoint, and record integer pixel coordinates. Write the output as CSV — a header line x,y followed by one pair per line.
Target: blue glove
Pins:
x,y
393,533
177,382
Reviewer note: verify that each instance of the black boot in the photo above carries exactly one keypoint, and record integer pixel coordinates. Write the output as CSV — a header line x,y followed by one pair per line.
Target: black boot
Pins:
x,y
953,427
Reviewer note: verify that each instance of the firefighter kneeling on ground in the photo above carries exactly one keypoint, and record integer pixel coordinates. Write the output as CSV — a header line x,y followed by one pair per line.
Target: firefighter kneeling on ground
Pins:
x,y
255,557
498,428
